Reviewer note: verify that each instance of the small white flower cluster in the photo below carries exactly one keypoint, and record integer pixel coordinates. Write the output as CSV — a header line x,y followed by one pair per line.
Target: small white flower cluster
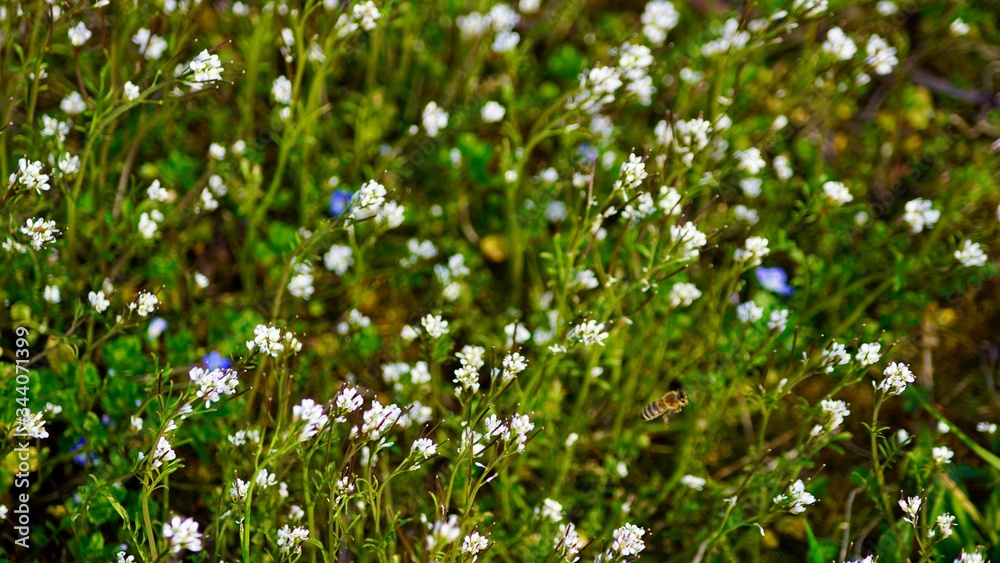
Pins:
x,y
312,416
162,453
205,68
271,341
301,284
364,15
151,46
32,425
149,223
942,455
513,364
241,437
634,62
627,541
419,374
971,254
492,112
290,540
338,259
839,45
689,240
835,355
182,533
881,57
475,543
897,377
589,333
749,312
920,214
424,249
569,543
683,294
693,482
945,523
911,506
731,38
212,384
443,532
688,137
356,320
367,201
868,354
658,18
633,172
434,325
472,359
42,232
376,421
597,89
835,412
425,448
450,275
144,304
837,193
798,496
434,119
753,252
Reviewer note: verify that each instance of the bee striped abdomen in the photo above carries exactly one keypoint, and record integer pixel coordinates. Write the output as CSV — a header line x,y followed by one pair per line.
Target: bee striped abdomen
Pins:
x,y
670,403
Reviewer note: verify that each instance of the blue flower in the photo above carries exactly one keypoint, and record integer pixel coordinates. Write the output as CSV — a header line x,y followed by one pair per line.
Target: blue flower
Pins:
x,y
587,153
81,458
156,328
340,200
214,360
775,279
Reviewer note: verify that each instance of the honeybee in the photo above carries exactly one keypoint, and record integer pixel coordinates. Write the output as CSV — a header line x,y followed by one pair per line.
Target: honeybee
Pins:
x,y
670,403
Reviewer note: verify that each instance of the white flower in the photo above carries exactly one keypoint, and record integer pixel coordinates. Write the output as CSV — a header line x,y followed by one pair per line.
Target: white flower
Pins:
x,y
658,18
552,510
149,223
290,539
434,325
301,284
513,364
444,533
693,482
493,112
73,104
476,543
836,411
434,119
683,294
751,187
146,303
958,28
754,250
670,201
589,333
368,200
183,534
910,508
213,384
51,294
391,215
945,523
839,45
689,238
868,354
267,339
974,557
971,254
837,193
881,57
920,214
628,540
206,67
163,452
633,172
835,355
897,377
366,14
987,427
152,46
750,161
377,420
505,41
98,301
798,496
424,447
942,455
238,492
569,542
79,34
338,259
130,91
778,320
32,425
41,232
311,413
29,174
749,312
281,89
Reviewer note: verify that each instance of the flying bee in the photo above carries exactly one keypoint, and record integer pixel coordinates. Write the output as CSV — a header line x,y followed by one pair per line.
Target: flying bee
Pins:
x,y
670,403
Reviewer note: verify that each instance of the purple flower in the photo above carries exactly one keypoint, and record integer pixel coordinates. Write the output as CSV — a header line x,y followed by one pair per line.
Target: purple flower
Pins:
x,y
775,279
587,153
340,200
82,458
214,360
156,328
